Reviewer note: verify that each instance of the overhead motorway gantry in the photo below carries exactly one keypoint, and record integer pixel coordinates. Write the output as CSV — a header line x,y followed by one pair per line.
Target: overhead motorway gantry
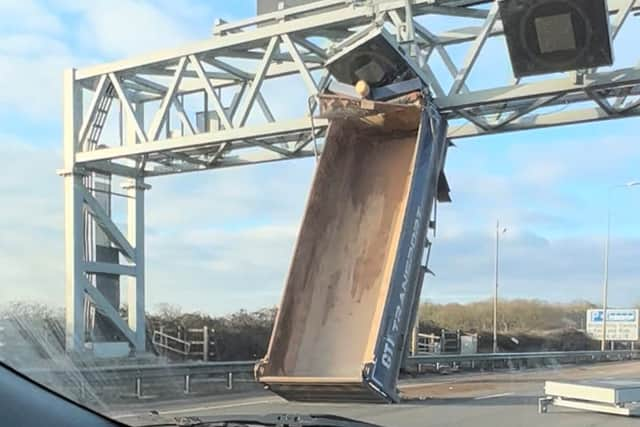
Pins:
x,y
203,106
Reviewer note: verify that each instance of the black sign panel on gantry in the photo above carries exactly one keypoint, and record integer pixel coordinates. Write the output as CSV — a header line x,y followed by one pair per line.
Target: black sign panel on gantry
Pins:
x,y
549,36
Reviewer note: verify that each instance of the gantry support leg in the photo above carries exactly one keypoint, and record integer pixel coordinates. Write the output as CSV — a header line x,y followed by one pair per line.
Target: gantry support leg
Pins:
x,y
108,238
73,218
136,292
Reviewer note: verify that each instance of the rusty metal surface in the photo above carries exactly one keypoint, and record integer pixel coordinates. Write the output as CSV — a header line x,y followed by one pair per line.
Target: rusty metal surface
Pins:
x,y
329,318
342,262
404,111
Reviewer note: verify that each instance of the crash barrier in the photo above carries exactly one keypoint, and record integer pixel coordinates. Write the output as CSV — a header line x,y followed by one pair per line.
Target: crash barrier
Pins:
x,y
84,382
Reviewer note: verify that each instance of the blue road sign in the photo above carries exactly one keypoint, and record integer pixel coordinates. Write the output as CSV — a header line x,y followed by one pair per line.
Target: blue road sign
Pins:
x,y
613,315
597,317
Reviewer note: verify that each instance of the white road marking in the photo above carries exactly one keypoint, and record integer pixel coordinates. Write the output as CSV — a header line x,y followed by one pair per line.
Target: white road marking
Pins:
x,y
492,396
434,384
203,408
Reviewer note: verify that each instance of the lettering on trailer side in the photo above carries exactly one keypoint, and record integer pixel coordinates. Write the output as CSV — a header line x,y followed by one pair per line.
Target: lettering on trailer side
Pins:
x,y
390,344
400,300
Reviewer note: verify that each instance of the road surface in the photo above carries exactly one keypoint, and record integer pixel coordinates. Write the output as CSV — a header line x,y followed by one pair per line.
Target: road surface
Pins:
x,y
474,399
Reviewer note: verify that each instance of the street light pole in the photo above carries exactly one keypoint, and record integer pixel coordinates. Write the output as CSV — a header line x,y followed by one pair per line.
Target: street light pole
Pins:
x,y
605,285
607,244
495,287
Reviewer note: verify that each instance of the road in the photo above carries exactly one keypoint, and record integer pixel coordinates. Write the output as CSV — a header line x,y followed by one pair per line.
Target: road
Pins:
x,y
473,399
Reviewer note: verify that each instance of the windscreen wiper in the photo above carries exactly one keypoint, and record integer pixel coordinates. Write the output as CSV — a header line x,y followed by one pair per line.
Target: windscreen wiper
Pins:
x,y
271,420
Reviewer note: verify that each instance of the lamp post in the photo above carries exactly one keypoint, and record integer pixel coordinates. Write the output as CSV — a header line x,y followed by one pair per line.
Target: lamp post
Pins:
x,y
605,285
495,288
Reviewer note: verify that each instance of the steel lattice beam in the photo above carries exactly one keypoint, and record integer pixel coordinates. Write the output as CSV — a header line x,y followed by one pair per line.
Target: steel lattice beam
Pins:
x,y
293,42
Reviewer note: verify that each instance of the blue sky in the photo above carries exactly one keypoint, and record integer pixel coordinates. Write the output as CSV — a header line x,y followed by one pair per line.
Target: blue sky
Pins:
x,y
229,244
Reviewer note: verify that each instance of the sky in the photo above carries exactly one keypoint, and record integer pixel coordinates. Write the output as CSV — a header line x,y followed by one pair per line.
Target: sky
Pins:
x,y
219,241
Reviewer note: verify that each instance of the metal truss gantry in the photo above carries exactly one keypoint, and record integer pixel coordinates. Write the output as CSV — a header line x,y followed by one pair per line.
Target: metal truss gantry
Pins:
x,y
212,91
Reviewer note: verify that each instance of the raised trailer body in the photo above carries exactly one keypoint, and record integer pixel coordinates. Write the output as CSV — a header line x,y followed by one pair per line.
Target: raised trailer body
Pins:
x,y
357,267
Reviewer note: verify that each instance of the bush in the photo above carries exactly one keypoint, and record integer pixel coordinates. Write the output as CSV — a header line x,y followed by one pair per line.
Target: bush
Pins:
x,y
514,316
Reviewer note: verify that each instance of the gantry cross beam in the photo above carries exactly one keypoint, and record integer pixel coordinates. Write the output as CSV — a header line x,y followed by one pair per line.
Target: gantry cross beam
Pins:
x,y
206,106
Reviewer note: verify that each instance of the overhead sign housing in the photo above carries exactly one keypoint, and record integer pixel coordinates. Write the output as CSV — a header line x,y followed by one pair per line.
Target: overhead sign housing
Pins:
x,y
375,59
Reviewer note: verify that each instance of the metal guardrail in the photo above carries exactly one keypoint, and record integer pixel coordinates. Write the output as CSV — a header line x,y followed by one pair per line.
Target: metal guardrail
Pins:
x,y
418,362
137,374
227,370
151,371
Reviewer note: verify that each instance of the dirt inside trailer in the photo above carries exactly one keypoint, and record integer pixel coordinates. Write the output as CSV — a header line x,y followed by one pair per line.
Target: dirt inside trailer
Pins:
x,y
344,255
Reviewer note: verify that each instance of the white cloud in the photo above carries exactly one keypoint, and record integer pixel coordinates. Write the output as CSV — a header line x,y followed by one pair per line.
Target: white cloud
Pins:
x,y
223,240
32,58
34,47
590,156
31,46
561,269
31,239
258,194
549,194
543,172
31,68
28,16
218,270
130,27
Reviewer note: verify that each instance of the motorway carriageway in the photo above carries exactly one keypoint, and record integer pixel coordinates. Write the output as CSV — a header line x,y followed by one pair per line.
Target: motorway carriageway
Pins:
x,y
505,398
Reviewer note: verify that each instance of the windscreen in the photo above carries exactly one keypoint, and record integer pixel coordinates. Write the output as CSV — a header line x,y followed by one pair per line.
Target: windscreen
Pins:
x,y
158,158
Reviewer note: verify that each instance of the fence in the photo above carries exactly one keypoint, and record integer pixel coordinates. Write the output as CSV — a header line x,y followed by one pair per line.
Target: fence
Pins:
x,y
188,343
